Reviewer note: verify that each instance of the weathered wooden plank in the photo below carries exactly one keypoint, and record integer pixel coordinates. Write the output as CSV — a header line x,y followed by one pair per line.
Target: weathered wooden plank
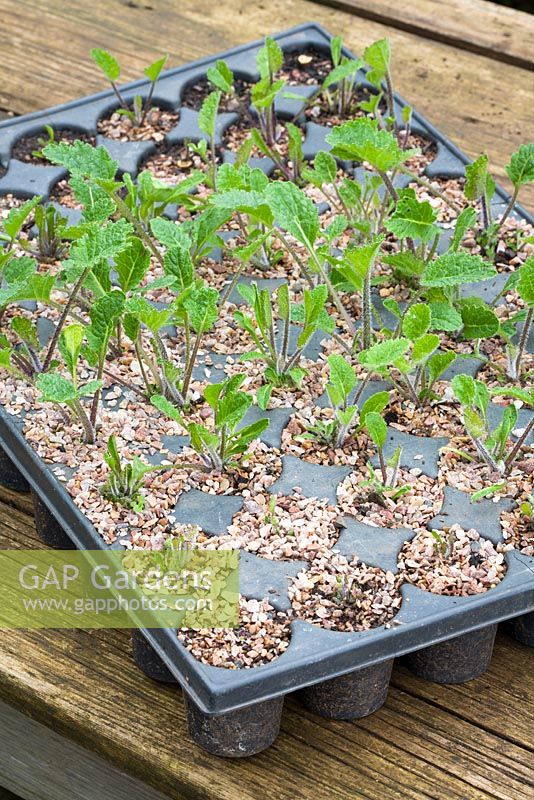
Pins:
x,y
482,104
423,743
501,33
87,776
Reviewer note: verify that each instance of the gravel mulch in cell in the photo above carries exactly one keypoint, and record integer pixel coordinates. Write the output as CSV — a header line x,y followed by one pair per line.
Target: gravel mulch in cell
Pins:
x,y
472,476
312,386
518,528
173,164
355,450
343,595
494,377
428,148
63,194
421,502
147,528
238,103
452,188
309,66
511,250
282,527
459,563
24,148
440,418
157,123
7,202
255,471
319,110
263,635
235,135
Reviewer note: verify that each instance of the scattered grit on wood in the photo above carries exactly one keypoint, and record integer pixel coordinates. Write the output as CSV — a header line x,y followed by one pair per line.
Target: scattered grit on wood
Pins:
x,y
343,595
157,123
452,562
282,527
263,635
414,509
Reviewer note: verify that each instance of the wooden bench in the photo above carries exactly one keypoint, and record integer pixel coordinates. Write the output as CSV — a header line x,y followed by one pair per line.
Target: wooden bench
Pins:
x,y
77,719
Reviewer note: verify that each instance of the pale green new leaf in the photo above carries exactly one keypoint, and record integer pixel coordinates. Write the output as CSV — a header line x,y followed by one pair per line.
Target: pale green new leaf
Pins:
x,y
413,219
342,377
444,317
466,220
377,428
221,76
207,116
362,140
416,321
378,57
383,354
107,63
154,70
520,169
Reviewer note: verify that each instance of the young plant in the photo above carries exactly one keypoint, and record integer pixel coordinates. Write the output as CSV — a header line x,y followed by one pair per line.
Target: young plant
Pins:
x,y
139,108
126,479
51,233
56,389
283,362
43,141
348,419
378,58
443,544
269,62
411,361
525,288
493,445
348,591
219,445
339,88
383,486
207,122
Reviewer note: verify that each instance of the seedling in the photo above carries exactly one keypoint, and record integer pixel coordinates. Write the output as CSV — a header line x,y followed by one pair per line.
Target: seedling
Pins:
x,y
443,543
51,229
126,479
269,62
219,445
525,289
493,446
348,591
139,108
348,419
283,363
56,389
43,141
339,88
383,486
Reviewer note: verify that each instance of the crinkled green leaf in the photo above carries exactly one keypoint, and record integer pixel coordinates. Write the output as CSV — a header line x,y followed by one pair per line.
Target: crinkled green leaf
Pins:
x,y
55,388
201,306
455,269
293,211
107,63
132,265
207,116
383,354
520,169
413,219
81,158
479,321
101,243
416,321
444,317
17,216
362,140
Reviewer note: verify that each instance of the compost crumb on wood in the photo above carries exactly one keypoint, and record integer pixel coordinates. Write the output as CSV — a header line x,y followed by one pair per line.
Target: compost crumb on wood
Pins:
x,y
344,595
263,635
24,148
157,123
415,509
459,563
282,527
195,93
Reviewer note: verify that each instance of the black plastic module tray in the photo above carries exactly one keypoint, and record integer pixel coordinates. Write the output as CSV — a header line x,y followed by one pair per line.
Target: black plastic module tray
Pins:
x,y
314,655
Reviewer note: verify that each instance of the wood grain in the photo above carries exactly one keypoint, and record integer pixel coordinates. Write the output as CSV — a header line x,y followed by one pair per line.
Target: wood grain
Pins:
x,y
501,33
483,105
468,742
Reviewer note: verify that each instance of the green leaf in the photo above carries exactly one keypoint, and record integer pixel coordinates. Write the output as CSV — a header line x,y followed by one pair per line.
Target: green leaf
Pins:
x,y
247,435
520,170
378,56
167,408
282,300
81,158
413,219
466,220
207,116
101,243
169,233
154,70
383,354
464,389
476,175
221,76
455,269
416,321
438,364
444,317
475,425
107,63
70,345
232,407
153,318
342,377
479,321
525,284
293,211
104,314
377,428
263,395
375,403
177,262
406,263
270,58
362,140
18,216
423,347
26,331
55,388
132,265
525,396
201,306
348,69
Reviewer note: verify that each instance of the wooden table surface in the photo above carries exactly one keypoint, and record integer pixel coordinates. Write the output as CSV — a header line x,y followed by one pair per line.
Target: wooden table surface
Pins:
x,y
77,720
